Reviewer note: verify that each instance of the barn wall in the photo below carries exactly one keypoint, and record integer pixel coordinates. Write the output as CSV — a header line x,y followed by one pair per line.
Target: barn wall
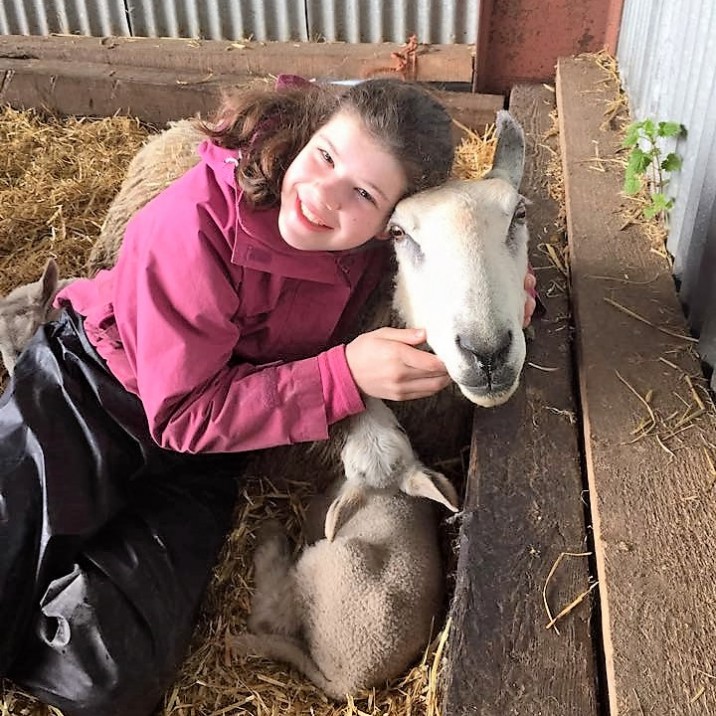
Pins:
x,y
667,60
433,21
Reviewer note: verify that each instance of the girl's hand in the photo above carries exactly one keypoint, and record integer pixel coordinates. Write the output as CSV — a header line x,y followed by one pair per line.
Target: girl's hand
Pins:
x,y
384,364
530,298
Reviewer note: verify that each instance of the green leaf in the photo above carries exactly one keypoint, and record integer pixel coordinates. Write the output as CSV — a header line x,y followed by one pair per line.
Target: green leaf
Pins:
x,y
632,135
659,203
670,129
639,161
651,211
632,184
649,129
671,163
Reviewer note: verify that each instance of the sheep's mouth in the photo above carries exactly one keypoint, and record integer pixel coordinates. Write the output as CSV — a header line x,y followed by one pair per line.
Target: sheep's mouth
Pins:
x,y
489,396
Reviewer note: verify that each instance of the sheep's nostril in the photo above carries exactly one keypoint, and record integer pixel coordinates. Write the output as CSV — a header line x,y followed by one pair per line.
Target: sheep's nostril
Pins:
x,y
488,355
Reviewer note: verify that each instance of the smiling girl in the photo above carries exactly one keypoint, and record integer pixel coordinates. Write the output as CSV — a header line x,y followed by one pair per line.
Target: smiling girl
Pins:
x,y
221,329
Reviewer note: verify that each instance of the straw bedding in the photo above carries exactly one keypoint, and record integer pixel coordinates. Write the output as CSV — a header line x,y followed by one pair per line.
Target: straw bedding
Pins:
x,y
57,177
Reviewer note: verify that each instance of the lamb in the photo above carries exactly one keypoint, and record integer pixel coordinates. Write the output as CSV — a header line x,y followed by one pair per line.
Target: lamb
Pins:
x,y
24,309
356,611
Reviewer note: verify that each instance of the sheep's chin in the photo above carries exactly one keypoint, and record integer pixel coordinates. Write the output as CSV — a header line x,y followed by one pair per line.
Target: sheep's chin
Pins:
x,y
488,399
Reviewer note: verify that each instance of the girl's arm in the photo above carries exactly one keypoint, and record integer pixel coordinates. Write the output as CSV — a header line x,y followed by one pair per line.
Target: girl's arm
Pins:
x,y
174,305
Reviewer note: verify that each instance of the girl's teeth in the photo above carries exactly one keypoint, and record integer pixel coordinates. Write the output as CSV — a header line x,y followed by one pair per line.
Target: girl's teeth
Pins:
x,y
311,217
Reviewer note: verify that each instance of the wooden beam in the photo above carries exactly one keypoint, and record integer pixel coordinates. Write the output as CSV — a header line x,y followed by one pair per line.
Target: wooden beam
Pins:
x,y
157,96
649,450
329,60
524,510
71,88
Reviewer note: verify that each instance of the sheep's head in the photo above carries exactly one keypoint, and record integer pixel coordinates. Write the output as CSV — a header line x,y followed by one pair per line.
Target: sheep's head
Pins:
x,y
462,257
22,311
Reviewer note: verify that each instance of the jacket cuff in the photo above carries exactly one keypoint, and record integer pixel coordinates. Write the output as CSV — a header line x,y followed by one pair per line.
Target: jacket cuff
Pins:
x,y
340,393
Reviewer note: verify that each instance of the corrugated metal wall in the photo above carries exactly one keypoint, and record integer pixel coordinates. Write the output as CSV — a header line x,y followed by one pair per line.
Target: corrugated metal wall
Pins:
x,y
667,60
433,21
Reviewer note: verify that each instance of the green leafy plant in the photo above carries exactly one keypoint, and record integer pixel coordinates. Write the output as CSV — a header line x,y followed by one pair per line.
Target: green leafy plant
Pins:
x,y
645,156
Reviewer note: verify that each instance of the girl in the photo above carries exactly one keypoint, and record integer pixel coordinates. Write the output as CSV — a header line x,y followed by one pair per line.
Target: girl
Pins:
x,y
218,331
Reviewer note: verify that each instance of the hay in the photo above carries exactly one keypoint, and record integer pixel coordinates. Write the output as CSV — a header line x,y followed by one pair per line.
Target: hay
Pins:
x,y
473,155
57,179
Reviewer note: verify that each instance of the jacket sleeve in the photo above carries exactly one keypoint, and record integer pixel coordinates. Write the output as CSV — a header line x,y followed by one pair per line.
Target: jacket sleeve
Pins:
x,y
174,304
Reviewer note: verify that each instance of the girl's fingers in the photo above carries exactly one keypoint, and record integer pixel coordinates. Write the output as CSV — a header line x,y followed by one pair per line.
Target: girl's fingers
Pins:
x,y
530,305
422,362
422,388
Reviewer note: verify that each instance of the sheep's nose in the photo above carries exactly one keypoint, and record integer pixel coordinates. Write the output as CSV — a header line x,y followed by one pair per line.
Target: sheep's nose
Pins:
x,y
488,357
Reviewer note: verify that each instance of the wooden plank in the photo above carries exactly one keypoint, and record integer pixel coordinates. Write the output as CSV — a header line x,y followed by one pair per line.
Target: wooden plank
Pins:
x,y
70,88
334,60
523,510
652,499
157,95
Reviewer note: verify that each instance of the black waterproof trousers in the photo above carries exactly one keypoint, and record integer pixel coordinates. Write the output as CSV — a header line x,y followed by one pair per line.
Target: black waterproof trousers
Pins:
x,y
107,542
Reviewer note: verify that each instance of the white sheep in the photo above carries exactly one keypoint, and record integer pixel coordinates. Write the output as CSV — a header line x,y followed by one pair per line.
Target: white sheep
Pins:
x,y
24,309
462,257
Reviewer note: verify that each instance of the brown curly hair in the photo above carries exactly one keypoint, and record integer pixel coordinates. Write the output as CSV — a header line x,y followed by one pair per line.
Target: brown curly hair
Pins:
x,y
271,127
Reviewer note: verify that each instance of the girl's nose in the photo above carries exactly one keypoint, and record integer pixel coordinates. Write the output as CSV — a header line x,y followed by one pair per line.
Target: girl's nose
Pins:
x,y
330,194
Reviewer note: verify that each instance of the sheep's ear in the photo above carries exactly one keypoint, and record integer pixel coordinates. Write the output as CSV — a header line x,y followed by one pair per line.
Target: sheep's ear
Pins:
x,y
48,282
421,482
348,502
509,159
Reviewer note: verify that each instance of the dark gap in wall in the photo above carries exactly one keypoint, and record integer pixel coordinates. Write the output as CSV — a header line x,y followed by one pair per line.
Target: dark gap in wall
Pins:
x,y
128,15
306,20
602,682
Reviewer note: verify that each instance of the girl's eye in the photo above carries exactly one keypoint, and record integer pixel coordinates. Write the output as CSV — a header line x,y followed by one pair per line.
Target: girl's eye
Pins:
x,y
363,194
395,232
327,158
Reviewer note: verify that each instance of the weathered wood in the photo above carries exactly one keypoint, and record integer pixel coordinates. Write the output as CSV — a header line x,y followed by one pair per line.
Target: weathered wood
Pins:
x,y
523,510
652,499
159,95
334,60
71,88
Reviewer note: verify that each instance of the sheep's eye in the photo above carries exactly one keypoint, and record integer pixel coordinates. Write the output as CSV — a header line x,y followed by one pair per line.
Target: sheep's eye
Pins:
x,y
396,233
520,215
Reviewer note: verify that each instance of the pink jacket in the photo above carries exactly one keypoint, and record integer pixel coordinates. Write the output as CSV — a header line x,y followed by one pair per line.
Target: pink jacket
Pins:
x,y
229,336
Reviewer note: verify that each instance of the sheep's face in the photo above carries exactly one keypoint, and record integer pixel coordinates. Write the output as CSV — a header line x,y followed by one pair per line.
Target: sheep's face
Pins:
x,y
462,255
18,322
22,312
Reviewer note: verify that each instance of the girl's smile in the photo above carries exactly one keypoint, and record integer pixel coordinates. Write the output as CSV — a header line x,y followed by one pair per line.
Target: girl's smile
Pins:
x,y
312,220
339,191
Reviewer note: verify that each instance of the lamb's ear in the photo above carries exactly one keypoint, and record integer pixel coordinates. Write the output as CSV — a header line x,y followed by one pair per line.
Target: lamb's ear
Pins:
x,y
348,502
48,282
509,159
421,482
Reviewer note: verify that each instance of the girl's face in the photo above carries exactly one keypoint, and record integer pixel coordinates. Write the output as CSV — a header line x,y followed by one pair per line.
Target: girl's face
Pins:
x,y
340,190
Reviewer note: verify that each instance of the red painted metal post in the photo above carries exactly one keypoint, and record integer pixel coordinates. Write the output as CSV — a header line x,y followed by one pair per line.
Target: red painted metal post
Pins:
x,y
521,40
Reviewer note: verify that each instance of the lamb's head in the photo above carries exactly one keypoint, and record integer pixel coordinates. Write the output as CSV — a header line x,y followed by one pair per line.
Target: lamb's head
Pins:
x,y
462,260
23,310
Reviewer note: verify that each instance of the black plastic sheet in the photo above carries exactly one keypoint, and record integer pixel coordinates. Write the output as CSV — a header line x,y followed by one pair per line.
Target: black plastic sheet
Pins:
x,y
107,542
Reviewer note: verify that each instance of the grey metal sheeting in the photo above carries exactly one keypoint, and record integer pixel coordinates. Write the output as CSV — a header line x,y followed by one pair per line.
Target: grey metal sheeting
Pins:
x,y
667,61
